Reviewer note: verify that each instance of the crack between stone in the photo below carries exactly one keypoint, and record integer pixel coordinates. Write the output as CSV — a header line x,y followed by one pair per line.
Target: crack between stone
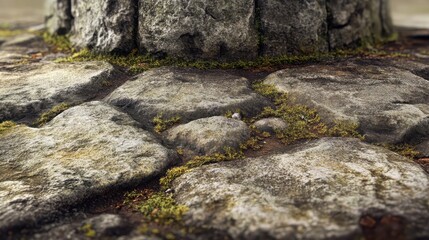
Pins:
x,y
259,27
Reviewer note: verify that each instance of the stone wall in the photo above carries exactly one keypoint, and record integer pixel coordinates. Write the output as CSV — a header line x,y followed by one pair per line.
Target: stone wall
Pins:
x,y
229,29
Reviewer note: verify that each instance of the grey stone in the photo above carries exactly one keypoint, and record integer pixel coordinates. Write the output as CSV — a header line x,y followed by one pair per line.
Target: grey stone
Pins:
x,y
423,148
104,25
292,27
201,28
187,93
58,16
358,22
271,125
29,89
104,225
318,190
87,150
209,135
388,103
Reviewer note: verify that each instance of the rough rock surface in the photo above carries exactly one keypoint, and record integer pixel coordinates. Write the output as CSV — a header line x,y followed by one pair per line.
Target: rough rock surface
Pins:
x,y
106,226
58,16
83,152
291,27
391,105
318,190
188,93
201,28
271,125
209,135
358,22
27,90
423,148
104,25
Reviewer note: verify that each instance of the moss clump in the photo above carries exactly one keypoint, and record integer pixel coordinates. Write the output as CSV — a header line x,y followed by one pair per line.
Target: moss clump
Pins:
x,y
303,122
59,43
6,126
171,175
162,124
162,209
405,150
345,129
137,62
53,112
88,230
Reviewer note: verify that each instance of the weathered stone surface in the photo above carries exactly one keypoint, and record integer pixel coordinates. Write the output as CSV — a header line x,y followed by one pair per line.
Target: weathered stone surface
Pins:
x,y
29,89
423,148
85,151
318,190
291,27
188,93
209,135
104,25
201,28
358,22
58,16
271,125
390,104
105,226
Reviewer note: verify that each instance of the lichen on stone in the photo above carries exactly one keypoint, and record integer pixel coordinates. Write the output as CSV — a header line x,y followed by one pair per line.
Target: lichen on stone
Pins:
x,y
6,126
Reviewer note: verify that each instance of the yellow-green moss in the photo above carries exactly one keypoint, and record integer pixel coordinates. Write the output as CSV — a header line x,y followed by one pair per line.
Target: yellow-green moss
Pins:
x,y
53,112
60,43
405,150
88,230
303,122
6,126
162,209
137,62
172,174
10,32
161,124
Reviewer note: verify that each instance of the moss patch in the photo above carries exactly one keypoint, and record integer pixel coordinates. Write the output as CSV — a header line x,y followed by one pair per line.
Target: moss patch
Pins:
x,y
53,112
405,150
6,126
303,122
136,62
88,230
59,43
162,124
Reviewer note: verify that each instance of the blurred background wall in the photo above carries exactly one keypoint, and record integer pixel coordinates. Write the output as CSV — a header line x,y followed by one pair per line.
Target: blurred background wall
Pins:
x,y
406,13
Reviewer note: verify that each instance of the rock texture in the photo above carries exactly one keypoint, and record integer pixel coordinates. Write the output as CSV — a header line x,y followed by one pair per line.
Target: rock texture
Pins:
x,y
187,93
209,135
271,125
201,28
358,22
27,90
391,105
58,16
225,29
104,25
85,151
319,190
291,27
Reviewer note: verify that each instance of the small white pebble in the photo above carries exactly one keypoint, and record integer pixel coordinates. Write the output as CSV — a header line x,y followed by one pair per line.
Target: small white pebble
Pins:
x,y
236,116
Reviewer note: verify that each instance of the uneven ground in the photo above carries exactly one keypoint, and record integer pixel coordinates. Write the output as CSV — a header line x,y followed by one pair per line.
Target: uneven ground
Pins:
x,y
323,147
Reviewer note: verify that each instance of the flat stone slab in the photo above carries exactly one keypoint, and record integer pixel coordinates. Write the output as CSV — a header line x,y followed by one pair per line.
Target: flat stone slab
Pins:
x,y
390,104
209,135
318,190
85,151
28,89
187,93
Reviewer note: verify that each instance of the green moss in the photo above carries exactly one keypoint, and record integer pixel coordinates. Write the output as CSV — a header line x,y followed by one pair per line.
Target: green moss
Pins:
x,y
136,62
345,129
53,112
405,150
10,32
303,122
88,230
171,175
6,126
59,43
162,124
162,209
